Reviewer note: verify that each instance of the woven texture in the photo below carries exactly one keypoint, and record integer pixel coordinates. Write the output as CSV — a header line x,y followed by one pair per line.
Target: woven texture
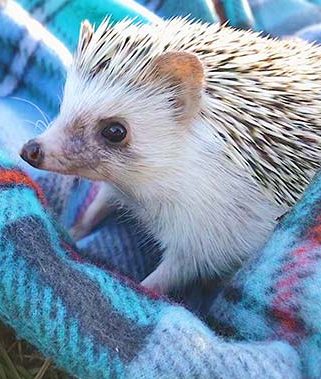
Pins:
x,y
278,293
69,302
96,325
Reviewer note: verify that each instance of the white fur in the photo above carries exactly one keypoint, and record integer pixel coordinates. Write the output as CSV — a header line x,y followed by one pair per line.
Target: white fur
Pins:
x,y
214,217
208,213
191,187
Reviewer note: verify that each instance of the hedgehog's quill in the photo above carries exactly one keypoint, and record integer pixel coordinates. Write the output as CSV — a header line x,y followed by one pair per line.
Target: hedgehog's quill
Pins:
x,y
205,133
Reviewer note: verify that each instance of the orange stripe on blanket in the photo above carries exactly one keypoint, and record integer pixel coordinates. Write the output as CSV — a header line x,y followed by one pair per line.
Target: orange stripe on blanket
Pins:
x,y
18,177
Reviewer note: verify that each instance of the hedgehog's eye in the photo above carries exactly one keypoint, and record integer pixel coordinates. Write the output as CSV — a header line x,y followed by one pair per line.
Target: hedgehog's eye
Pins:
x,y
114,131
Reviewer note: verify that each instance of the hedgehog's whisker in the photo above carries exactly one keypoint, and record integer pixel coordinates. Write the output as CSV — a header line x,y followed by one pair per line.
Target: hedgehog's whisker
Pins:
x,y
43,114
41,125
35,124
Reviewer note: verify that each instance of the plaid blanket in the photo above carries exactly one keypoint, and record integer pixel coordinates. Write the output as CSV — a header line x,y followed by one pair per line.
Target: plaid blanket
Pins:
x,y
70,301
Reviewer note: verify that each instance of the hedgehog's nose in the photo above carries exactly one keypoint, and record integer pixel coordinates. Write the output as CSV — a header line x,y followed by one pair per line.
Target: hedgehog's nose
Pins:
x,y
32,153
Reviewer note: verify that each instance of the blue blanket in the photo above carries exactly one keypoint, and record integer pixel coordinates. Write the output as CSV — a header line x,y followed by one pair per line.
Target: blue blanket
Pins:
x,y
68,301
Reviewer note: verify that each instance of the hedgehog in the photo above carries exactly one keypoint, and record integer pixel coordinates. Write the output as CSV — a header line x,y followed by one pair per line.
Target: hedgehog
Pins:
x,y
205,133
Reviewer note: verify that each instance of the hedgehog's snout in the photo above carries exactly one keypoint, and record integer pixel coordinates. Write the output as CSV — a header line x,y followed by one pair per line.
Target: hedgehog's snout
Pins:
x,y
32,152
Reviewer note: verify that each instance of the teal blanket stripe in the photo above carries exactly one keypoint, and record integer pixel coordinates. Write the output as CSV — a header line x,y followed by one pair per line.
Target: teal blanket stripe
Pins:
x,y
94,323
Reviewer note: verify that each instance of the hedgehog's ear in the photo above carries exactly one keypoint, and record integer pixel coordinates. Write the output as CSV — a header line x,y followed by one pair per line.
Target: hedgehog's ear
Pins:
x,y
85,35
185,73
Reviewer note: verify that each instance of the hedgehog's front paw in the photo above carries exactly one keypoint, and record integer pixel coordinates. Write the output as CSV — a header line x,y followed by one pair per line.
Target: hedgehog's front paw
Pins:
x,y
157,280
79,231
97,211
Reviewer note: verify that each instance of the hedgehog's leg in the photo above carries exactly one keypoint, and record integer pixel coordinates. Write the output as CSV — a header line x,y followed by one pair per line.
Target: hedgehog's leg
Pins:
x,y
157,280
96,212
169,275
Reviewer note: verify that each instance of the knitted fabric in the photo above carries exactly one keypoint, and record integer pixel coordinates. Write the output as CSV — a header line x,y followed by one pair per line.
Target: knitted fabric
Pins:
x,y
64,301
31,66
235,13
284,17
274,17
197,9
277,295
54,13
96,325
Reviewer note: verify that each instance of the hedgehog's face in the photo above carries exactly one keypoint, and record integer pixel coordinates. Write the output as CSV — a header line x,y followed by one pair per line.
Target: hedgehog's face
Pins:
x,y
127,133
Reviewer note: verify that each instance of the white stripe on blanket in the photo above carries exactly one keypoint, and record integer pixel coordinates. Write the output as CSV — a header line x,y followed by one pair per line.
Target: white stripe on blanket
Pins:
x,y
28,44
